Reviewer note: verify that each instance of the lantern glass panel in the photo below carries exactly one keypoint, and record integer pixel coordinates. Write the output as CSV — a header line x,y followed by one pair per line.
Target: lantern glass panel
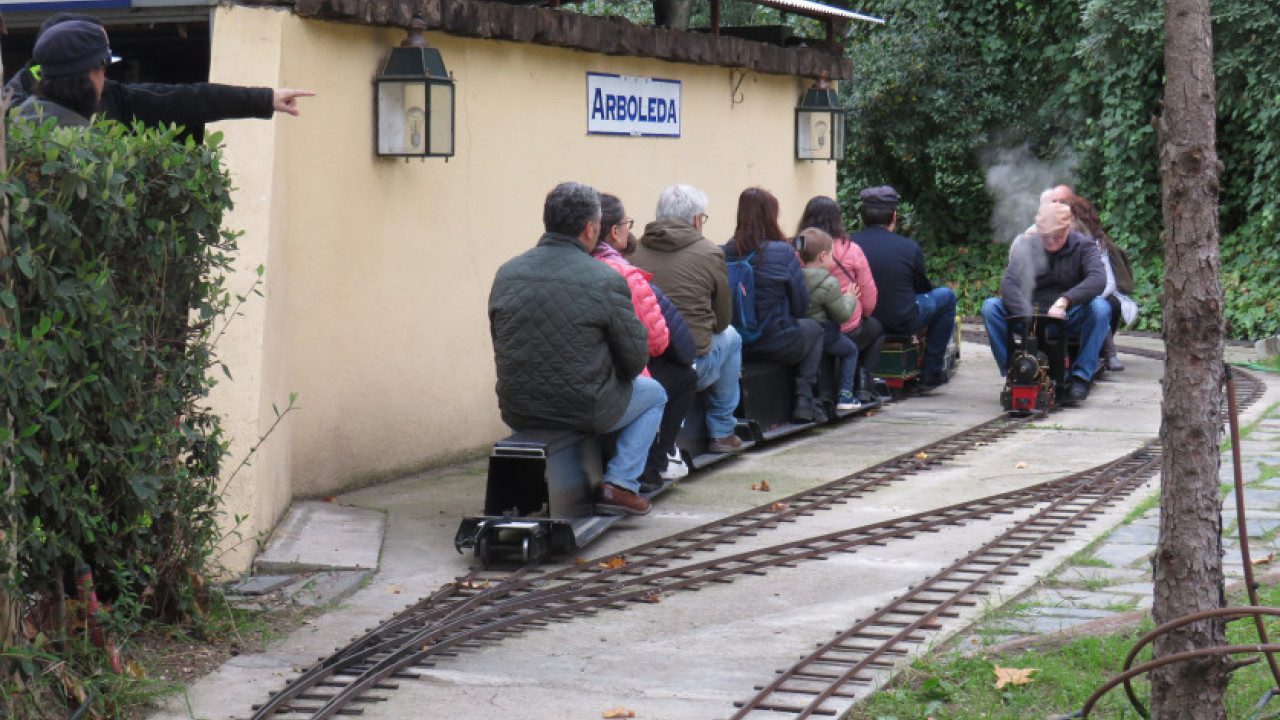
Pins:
x,y
814,134
837,137
441,126
402,118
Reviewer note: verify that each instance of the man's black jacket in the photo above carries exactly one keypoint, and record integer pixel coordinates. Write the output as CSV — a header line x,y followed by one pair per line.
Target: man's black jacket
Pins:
x,y
188,104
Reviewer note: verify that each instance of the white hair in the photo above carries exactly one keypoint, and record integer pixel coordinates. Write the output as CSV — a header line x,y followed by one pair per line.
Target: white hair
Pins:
x,y
681,202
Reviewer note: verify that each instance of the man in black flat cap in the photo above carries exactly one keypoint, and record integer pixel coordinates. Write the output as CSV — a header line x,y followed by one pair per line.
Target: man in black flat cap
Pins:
x,y
908,301
74,56
188,104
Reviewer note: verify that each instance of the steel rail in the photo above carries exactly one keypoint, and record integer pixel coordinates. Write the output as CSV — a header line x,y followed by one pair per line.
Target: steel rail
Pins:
x,y
541,606
512,605
559,602
408,623
1253,391
1110,483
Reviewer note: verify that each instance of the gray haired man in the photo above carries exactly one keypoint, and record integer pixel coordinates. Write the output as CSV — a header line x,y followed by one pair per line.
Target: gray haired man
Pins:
x,y
690,269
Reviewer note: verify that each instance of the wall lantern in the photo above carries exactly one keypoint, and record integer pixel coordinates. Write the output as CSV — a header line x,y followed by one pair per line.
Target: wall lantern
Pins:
x,y
413,101
820,124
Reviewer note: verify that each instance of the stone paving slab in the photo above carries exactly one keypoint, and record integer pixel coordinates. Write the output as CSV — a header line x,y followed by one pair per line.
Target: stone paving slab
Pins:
x,y
1123,554
1106,575
1138,588
1135,534
327,588
1249,472
324,536
260,584
1044,622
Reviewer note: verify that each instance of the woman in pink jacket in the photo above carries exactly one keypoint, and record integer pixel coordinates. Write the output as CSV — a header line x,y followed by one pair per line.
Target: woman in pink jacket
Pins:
x,y
854,274
671,347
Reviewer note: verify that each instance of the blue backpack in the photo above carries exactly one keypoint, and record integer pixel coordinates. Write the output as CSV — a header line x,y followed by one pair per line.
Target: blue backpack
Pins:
x,y
742,282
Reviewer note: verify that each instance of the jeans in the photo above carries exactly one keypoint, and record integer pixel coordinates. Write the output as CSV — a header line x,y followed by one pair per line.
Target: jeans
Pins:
x,y
718,373
937,313
1089,323
869,337
679,381
805,354
639,425
843,348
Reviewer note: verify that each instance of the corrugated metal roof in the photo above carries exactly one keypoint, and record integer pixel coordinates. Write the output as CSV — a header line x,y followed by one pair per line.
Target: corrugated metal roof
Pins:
x,y
817,10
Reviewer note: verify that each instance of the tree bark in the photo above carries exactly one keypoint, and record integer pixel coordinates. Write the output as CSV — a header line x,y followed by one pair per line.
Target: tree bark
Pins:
x,y
1188,562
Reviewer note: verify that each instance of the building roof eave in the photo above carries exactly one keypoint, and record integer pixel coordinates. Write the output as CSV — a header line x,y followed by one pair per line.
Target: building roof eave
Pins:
x,y
546,26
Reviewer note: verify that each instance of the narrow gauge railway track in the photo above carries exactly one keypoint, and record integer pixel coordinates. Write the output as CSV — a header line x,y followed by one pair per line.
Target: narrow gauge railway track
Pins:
x,y
468,613
864,653
826,681
479,590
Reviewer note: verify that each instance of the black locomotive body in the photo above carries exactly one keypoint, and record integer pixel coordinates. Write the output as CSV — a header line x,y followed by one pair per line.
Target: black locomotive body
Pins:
x,y
1039,363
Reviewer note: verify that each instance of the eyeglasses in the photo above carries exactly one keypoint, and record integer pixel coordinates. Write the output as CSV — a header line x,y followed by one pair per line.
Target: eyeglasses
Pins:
x,y
628,223
705,217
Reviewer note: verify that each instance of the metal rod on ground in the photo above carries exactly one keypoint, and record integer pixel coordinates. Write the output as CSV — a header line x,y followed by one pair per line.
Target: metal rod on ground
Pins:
x,y
1170,659
1231,613
1233,420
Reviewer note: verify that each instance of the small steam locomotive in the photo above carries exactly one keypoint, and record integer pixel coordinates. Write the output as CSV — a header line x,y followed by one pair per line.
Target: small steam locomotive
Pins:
x,y
1039,363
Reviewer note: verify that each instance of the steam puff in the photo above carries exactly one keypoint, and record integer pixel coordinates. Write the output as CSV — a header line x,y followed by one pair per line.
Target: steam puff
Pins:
x,y
1027,259
1015,178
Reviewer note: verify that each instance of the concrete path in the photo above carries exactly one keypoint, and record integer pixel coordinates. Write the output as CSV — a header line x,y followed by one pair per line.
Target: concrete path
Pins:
x,y
693,654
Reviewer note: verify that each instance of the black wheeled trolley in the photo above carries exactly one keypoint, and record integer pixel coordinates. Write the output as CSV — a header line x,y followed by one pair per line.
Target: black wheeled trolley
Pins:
x,y
539,500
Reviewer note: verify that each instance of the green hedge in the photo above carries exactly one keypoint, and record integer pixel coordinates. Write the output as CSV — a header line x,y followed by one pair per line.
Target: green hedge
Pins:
x,y
111,288
946,88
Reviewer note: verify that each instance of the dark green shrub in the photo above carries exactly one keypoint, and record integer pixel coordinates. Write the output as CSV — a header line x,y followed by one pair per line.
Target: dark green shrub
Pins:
x,y
111,286
944,86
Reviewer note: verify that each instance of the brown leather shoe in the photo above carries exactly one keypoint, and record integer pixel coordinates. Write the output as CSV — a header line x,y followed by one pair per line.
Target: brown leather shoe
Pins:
x,y
613,500
729,444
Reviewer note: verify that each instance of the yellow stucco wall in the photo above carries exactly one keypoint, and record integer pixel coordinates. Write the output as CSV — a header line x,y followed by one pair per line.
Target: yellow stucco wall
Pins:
x,y
378,271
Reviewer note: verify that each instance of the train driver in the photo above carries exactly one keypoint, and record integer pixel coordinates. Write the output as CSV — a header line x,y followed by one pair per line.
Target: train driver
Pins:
x,y
1059,269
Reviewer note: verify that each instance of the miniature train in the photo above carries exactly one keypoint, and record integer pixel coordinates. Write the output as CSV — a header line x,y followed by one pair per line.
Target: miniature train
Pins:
x,y
1039,364
541,486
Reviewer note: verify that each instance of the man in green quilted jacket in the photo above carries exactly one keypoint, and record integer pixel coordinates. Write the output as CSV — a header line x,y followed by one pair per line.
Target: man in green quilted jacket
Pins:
x,y
569,349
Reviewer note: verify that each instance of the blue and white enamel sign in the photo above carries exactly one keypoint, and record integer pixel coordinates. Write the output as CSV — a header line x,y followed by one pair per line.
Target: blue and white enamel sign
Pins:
x,y
624,105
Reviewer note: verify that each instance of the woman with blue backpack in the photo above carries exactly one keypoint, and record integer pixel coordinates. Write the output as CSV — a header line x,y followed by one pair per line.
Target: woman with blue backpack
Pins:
x,y
771,298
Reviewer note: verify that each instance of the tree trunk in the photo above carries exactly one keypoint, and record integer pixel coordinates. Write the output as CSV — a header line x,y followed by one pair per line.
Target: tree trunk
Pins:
x,y
10,604
1188,562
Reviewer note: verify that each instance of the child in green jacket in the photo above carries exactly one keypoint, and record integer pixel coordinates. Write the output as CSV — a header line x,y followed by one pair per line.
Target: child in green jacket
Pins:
x,y
830,307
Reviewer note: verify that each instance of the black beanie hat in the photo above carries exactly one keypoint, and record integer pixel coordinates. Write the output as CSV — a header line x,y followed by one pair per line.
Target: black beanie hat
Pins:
x,y
71,47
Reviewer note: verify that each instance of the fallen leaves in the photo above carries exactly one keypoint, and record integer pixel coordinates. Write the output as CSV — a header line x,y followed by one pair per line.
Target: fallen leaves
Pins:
x,y
394,590
468,585
613,563
763,486
618,712
778,507
922,455
1021,466
1013,676
1262,560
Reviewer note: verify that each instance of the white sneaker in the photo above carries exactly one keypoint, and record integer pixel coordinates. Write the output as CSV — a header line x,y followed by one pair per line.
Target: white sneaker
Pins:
x,y
676,468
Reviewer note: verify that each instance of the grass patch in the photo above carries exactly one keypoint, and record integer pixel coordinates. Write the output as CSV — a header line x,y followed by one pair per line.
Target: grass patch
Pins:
x,y
1084,557
1142,509
1272,365
1066,674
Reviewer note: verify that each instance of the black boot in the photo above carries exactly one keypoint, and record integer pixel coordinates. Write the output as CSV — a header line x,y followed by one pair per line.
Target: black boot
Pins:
x,y
803,411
